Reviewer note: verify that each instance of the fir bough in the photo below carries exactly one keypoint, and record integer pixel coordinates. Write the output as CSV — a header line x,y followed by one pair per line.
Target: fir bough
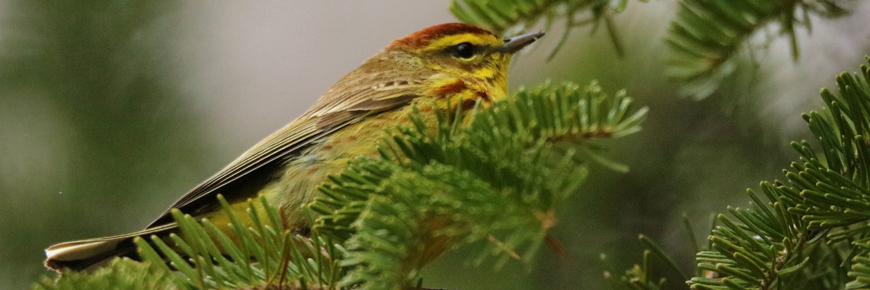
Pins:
x,y
513,16
122,274
706,35
266,256
809,232
267,253
805,232
499,178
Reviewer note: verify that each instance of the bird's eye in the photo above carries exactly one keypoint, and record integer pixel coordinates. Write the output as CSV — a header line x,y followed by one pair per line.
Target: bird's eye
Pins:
x,y
463,50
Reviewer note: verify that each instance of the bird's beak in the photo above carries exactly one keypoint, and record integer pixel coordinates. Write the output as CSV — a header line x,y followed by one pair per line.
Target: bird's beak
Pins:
x,y
516,43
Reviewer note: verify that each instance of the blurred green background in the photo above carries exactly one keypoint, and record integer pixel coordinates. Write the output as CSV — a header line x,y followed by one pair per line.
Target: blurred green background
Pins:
x,y
111,110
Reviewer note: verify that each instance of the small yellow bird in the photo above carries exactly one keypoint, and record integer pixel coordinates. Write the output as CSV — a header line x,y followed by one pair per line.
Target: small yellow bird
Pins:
x,y
451,63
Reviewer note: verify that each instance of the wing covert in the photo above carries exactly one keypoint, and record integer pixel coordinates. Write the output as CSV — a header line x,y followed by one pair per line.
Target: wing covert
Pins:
x,y
358,95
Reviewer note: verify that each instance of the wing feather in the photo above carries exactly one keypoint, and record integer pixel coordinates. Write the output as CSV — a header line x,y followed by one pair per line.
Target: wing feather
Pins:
x,y
360,94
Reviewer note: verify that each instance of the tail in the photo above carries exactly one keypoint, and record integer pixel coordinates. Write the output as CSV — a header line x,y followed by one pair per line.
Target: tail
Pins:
x,y
84,254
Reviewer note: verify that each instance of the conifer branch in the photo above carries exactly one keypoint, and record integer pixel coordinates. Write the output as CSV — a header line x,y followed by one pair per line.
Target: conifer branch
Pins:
x,y
787,242
264,254
495,176
512,17
123,274
803,233
498,180
706,35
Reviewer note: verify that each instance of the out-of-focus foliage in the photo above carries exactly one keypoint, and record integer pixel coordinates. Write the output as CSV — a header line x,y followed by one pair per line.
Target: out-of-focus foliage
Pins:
x,y
706,35
704,38
92,126
639,276
511,17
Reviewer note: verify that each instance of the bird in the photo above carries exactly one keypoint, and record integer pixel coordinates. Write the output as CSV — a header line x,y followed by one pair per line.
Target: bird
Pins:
x,y
451,64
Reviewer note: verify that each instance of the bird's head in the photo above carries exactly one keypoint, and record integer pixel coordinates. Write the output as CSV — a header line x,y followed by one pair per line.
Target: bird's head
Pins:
x,y
463,51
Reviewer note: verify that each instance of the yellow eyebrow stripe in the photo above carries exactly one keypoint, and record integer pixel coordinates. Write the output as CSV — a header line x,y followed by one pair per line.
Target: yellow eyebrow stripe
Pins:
x,y
475,39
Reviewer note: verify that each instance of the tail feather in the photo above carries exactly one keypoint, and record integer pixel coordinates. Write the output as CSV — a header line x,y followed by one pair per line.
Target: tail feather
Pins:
x,y
81,255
